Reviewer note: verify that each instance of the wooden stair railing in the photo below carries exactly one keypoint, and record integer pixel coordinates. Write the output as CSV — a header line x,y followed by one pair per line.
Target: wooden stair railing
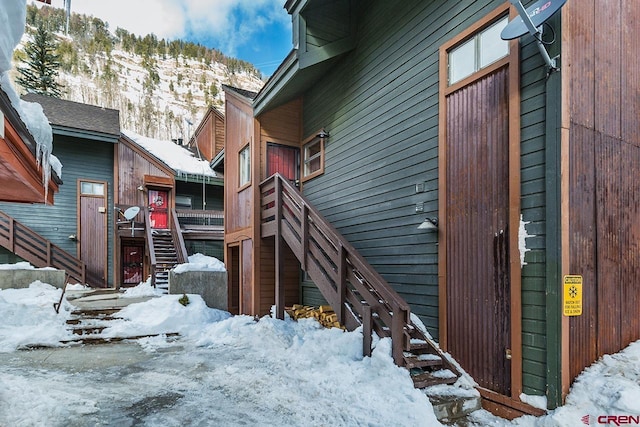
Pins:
x,y
40,252
166,249
178,240
150,249
356,292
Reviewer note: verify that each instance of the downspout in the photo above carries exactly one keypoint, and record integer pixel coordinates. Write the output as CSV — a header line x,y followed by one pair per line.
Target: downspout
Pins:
x,y
556,341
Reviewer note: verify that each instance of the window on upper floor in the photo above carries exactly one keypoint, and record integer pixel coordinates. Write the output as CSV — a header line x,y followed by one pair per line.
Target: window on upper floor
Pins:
x,y
244,165
313,156
482,49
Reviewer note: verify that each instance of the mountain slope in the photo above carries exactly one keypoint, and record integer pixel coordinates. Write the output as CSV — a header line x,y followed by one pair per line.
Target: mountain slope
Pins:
x,y
161,88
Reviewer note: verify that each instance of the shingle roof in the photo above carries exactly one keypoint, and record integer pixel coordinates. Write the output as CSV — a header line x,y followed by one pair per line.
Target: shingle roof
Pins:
x,y
74,115
246,93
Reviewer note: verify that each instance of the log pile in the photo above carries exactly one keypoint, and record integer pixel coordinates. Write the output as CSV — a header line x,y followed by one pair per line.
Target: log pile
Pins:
x,y
323,314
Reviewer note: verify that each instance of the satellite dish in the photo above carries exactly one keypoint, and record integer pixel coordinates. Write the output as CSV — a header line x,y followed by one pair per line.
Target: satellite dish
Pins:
x,y
538,14
131,212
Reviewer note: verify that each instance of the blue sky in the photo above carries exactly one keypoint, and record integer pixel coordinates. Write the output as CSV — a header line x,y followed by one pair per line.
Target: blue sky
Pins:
x,y
257,31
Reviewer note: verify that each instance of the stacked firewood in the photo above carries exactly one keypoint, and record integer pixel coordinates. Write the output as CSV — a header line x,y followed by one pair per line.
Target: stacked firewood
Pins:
x,y
323,314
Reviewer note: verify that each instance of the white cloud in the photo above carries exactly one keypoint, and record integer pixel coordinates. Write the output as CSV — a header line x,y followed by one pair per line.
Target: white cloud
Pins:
x,y
231,23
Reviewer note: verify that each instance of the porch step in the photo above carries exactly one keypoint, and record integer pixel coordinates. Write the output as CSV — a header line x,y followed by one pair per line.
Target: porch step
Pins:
x,y
422,379
452,404
88,325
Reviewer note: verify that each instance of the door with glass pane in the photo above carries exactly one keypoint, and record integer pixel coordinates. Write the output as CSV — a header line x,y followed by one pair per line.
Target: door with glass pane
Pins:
x,y
92,230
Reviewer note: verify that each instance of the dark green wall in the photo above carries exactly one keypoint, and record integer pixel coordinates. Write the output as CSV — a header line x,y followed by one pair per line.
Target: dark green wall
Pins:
x,y
80,159
214,194
380,107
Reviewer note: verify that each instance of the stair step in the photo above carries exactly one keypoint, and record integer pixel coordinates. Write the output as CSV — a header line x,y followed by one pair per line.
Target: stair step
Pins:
x,y
96,313
105,340
422,360
80,320
88,329
428,379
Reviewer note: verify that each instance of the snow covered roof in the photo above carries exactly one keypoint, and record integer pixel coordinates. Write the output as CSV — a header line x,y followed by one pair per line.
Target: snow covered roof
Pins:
x,y
175,156
12,23
77,116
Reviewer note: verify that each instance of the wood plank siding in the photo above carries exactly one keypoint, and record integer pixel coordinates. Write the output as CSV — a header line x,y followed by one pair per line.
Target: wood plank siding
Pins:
x,y
380,105
209,136
133,165
81,159
602,82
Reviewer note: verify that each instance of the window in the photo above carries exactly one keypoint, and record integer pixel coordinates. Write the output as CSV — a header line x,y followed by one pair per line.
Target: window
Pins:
x,y
183,202
313,157
244,165
481,50
91,188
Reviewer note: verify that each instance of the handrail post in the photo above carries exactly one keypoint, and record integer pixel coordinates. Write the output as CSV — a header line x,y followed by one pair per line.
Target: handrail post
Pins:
x,y
367,330
48,252
397,332
279,252
12,240
342,281
305,235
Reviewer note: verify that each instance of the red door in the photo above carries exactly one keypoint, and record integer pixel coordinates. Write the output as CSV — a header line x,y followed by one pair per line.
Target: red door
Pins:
x,y
132,256
284,160
158,208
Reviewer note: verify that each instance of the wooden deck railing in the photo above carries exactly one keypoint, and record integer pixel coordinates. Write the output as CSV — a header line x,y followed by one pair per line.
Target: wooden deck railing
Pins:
x,y
200,218
178,240
358,294
40,252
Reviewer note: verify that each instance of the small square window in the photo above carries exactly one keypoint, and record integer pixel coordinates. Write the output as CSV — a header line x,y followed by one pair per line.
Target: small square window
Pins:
x,y
491,46
313,157
462,61
244,166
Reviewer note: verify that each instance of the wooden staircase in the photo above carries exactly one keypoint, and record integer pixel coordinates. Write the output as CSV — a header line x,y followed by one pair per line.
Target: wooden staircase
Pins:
x,y
356,292
38,251
166,250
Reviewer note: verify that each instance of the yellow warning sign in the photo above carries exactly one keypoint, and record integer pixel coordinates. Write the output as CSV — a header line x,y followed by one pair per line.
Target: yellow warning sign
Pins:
x,y
572,301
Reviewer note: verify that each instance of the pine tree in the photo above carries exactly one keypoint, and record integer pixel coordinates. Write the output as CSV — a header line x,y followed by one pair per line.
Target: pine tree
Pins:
x,y
41,69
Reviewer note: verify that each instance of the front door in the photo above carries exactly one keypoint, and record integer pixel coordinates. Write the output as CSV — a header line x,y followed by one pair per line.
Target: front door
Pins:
x,y
158,209
478,165
478,287
285,160
132,264
92,226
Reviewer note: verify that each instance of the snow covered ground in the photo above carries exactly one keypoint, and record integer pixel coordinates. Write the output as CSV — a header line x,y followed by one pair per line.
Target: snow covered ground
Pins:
x,y
233,370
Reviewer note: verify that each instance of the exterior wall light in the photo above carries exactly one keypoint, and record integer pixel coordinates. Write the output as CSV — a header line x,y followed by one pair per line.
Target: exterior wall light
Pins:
x,y
429,224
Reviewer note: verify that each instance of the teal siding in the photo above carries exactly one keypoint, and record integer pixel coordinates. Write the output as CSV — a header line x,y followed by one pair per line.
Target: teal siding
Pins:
x,y
384,141
380,107
214,194
80,159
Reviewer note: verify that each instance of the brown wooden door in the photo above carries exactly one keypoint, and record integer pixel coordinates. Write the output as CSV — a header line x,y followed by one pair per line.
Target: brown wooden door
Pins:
x,y
92,232
284,160
477,235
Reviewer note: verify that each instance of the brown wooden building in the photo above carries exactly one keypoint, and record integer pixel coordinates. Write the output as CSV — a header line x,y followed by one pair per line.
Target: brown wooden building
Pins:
x,y
158,211
383,118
